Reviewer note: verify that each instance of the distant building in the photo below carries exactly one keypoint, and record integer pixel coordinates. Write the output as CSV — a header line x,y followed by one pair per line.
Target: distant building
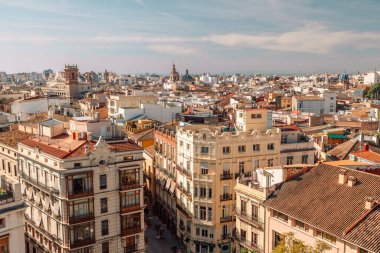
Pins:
x,y
323,104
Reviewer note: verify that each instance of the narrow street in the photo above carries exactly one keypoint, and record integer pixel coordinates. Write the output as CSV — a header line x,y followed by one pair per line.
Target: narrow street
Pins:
x,y
162,245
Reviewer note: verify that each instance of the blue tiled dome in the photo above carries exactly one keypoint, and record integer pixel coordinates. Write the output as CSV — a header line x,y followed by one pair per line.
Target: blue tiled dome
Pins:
x,y
343,77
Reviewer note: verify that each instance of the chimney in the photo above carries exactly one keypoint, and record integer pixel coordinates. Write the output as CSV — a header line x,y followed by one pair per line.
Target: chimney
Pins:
x,y
342,176
369,203
365,147
351,181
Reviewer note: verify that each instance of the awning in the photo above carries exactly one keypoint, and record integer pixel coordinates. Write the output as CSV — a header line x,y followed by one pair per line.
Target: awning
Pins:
x,y
47,203
337,136
56,208
172,187
168,182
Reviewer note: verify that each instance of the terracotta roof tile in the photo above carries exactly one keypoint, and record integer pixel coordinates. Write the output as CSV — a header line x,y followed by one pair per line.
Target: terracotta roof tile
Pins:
x,y
367,232
343,150
53,151
317,198
12,138
368,155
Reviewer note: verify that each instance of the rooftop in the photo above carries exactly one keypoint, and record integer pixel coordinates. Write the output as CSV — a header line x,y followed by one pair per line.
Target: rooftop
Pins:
x,y
12,138
368,155
317,198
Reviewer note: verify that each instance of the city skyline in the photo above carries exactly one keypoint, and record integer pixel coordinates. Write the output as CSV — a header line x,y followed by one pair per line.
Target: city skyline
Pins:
x,y
141,36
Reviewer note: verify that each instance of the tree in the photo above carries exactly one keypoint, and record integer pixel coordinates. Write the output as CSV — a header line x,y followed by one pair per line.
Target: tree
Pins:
x,y
288,244
373,92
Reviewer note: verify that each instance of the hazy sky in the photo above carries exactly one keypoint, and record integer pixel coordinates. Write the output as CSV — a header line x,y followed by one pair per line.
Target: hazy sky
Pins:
x,y
137,36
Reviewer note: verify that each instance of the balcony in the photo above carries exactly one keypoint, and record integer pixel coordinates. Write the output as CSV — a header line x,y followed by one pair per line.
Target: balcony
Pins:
x,y
6,193
130,186
184,172
81,218
227,219
131,230
183,210
131,208
81,242
226,197
225,237
247,244
131,248
185,192
226,176
80,194
38,184
249,218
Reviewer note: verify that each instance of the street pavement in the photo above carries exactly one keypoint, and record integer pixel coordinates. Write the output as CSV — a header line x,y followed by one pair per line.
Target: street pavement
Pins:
x,y
163,245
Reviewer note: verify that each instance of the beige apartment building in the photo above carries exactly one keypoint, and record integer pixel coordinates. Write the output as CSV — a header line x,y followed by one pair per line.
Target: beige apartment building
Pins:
x,y
12,239
83,195
209,159
165,164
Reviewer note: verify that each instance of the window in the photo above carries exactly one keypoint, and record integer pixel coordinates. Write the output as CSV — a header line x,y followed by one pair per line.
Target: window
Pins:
x,y
129,178
210,193
256,147
280,216
204,232
202,192
103,205
15,170
241,167
326,236
241,148
243,234
105,247
197,231
255,116
304,159
226,150
2,223
270,162
104,227
131,222
204,150
77,165
277,238
80,184
301,225
210,214
270,146
243,206
82,233
130,199
255,211
103,182
254,238
289,160
256,164
284,138
202,214
81,210
204,171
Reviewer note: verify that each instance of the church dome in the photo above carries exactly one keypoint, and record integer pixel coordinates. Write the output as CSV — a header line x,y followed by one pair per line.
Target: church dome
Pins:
x,y
343,77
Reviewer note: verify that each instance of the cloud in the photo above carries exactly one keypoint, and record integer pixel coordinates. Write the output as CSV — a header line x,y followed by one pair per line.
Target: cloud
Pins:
x,y
19,38
173,49
315,40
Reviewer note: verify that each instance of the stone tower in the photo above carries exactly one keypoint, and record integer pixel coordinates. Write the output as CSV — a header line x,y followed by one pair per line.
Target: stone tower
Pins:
x,y
174,76
71,81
